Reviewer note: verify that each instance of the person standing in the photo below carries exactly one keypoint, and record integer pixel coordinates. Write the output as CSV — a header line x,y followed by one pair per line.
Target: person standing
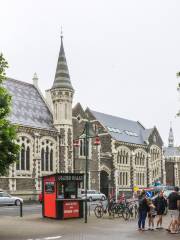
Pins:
x,y
160,204
151,215
173,203
142,210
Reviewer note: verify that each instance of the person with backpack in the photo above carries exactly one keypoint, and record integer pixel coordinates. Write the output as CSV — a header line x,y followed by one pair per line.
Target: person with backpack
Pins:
x,y
160,204
142,211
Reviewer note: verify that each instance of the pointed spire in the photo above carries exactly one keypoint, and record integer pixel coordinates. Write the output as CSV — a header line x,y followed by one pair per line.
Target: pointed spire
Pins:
x,y
62,78
171,137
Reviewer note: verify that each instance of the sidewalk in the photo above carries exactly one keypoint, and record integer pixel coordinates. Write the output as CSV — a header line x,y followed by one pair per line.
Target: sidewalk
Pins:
x,y
36,227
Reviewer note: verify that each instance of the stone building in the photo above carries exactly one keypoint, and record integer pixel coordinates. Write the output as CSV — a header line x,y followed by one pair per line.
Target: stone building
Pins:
x,y
172,161
129,155
44,130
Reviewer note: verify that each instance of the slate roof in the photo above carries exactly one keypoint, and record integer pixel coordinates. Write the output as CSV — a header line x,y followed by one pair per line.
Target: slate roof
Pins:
x,y
62,78
123,129
171,151
28,107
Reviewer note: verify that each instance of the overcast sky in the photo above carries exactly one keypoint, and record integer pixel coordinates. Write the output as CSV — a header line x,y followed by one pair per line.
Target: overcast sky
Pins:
x,y
123,55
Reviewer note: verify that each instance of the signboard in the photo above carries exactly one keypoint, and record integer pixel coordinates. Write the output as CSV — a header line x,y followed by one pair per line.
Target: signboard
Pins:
x,y
70,178
136,189
71,209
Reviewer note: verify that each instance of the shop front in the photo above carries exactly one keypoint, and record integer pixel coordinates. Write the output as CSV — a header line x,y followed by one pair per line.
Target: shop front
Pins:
x,y
61,193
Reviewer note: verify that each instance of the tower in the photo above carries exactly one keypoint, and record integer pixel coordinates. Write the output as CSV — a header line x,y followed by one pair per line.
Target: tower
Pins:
x,y
62,96
171,138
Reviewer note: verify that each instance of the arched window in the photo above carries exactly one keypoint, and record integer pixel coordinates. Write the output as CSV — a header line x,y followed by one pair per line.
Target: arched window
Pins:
x,y
126,178
51,160
42,159
127,155
120,178
28,158
47,158
65,110
56,112
17,162
47,155
23,157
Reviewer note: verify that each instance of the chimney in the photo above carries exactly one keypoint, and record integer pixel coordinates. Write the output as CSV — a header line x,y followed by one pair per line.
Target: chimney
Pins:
x,y
35,80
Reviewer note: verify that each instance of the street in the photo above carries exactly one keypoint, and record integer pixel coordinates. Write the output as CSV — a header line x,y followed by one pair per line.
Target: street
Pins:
x,y
35,208
33,227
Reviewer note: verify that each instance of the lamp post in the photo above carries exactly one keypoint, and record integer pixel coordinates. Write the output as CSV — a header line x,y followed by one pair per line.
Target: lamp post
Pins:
x,y
86,136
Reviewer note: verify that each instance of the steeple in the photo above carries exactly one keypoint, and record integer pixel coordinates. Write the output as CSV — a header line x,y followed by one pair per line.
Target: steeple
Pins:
x,y
62,78
171,138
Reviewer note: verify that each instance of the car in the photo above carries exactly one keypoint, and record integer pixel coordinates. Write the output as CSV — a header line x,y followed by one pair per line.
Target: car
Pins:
x,y
7,199
93,195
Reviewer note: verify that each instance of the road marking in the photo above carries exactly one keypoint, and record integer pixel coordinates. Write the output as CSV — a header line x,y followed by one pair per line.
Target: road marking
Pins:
x,y
57,237
46,238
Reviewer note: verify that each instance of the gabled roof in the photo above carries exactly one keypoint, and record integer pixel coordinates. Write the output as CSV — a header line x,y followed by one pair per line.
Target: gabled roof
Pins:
x,y
123,129
28,107
146,133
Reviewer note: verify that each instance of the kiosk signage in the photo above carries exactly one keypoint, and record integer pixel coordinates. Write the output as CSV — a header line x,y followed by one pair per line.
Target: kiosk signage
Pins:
x,y
71,209
61,195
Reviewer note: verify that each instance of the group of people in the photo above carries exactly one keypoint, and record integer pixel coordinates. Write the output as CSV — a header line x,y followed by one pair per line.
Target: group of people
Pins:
x,y
156,208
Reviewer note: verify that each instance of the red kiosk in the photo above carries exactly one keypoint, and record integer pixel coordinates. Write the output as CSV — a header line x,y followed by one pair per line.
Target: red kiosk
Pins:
x,y
61,193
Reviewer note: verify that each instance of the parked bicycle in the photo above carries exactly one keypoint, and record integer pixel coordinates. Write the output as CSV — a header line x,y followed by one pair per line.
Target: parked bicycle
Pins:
x,y
112,208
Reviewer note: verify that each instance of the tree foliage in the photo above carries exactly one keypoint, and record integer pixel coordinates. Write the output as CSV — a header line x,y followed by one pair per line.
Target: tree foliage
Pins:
x,y
8,148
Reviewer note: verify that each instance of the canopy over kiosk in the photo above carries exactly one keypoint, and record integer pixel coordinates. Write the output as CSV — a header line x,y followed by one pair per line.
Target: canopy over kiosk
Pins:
x,y
61,194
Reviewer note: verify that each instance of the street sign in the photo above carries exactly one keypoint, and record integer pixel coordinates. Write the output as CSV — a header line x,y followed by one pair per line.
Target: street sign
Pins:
x,y
136,189
149,194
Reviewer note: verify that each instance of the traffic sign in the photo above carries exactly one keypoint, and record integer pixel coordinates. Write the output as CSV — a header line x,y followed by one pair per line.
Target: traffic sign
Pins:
x,y
149,194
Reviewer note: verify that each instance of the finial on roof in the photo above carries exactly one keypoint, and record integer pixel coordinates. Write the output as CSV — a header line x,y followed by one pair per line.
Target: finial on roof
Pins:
x,y
61,33
35,80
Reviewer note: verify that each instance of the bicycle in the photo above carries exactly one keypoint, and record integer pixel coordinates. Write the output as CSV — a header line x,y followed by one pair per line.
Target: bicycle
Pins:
x,y
113,209
100,210
122,211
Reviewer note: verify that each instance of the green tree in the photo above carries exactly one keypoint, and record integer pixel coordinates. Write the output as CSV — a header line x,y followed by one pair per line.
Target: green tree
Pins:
x,y
8,148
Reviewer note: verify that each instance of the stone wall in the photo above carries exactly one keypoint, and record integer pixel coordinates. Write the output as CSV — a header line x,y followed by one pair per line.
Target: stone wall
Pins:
x,y
25,184
4,183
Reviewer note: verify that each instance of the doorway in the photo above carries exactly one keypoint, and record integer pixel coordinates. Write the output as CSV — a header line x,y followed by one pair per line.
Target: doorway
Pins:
x,y
104,182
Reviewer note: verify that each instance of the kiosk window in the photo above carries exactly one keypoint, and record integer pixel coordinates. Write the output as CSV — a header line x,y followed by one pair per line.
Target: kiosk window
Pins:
x,y
49,187
70,189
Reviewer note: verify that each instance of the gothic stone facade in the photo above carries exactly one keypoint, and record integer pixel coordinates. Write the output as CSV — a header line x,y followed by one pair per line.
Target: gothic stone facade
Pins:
x,y
129,154
172,161
44,131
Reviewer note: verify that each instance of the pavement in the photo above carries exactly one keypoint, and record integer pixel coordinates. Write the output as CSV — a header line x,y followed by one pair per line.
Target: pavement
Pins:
x,y
33,227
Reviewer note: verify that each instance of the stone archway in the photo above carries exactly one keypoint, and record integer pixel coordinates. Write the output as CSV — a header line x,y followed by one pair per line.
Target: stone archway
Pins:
x,y
104,182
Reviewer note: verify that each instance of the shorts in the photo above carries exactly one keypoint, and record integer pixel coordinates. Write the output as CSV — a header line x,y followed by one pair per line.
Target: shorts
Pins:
x,y
174,214
160,212
150,215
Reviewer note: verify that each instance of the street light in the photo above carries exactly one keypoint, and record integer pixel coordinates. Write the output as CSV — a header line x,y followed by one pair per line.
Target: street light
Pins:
x,y
86,136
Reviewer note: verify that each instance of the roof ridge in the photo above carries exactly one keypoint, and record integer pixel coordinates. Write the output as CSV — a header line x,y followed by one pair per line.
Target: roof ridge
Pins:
x,y
19,81
114,116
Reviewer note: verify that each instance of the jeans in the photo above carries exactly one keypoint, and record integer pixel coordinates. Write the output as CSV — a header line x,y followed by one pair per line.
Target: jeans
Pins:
x,y
142,219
